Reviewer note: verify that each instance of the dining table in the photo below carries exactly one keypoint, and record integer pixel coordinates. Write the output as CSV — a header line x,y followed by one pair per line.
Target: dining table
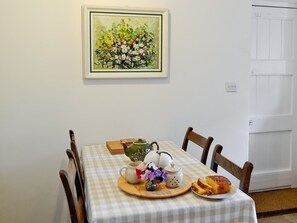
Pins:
x,y
106,202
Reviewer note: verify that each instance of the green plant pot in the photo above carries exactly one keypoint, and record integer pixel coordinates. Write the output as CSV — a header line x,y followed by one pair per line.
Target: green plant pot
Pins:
x,y
150,186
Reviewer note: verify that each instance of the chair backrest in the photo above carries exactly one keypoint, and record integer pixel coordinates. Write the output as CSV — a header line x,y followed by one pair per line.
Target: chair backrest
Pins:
x,y
201,141
78,181
74,199
71,135
242,173
76,154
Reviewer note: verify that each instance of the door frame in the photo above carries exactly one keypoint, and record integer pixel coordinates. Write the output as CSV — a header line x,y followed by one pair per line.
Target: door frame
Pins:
x,y
275,3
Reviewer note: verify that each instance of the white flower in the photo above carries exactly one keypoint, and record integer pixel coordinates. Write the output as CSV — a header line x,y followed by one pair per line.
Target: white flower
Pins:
x,y
114,49
137,58
133,53
124,49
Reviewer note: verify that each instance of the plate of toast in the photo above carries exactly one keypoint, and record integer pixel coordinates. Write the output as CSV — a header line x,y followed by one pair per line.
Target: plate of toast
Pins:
x,y
213,187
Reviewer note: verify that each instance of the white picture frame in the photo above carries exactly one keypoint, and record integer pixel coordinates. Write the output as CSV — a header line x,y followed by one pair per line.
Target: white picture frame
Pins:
x,y
125,42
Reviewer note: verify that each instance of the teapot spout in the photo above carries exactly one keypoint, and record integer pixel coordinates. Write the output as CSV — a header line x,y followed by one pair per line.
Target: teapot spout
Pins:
x,y
126,143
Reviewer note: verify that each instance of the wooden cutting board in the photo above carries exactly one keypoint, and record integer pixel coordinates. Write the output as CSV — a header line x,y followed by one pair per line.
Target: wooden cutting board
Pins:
x,y
162,191
115,147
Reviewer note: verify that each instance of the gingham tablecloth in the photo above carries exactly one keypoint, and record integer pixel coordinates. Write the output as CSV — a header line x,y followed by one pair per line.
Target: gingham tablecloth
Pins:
x,y
106,203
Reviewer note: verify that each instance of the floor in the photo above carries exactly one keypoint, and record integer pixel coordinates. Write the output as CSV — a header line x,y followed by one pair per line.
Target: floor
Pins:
x,y
287,218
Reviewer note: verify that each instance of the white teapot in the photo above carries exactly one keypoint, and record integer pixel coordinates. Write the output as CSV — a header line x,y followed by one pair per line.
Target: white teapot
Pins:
x,y
159,158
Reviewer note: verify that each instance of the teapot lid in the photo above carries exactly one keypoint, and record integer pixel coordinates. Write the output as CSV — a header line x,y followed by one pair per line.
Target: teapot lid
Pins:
x,y
140,141
172,168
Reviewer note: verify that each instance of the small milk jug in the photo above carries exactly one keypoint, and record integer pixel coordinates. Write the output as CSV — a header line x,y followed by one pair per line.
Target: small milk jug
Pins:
x,y
129,173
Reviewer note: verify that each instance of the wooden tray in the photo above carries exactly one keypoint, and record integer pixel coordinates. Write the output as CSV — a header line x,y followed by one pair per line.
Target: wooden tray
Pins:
x,y
115,147
162,191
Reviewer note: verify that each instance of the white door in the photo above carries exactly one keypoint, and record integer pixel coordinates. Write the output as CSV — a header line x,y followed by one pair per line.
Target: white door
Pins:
x,y
273,87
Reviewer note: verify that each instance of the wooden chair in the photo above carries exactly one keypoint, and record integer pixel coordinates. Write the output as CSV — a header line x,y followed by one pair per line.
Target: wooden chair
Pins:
x,y
243,174
71,135
78,181
76,155
201,141
73,192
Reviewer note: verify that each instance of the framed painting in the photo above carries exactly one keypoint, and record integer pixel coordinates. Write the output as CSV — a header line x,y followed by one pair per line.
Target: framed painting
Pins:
x,y
125,42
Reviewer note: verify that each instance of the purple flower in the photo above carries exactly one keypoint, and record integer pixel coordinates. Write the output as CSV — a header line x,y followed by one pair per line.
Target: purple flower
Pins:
x,y
146,175
152,172
158,173
164,175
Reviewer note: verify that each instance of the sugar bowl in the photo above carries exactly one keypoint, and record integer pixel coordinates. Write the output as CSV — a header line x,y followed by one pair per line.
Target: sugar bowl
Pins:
x,y
175,176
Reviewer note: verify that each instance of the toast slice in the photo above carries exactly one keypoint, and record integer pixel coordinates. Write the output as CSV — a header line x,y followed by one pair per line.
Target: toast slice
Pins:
x,y
204,185
199,190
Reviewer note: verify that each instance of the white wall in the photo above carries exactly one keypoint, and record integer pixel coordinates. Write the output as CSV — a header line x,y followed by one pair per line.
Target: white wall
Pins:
x,y
43,94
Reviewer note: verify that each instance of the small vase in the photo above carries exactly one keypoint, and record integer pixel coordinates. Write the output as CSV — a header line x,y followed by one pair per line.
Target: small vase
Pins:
x,y
150,186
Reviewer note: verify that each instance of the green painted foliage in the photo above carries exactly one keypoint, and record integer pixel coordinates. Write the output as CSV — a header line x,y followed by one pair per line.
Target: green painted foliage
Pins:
x,y
123,47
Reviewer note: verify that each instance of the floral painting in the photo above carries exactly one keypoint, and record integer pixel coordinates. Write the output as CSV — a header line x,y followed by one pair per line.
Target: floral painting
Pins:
x,y
126,43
